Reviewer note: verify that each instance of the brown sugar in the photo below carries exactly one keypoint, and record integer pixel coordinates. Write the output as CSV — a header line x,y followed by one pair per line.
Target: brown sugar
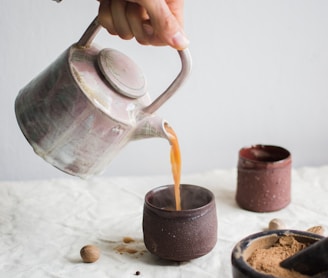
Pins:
x,y
130,246
267,260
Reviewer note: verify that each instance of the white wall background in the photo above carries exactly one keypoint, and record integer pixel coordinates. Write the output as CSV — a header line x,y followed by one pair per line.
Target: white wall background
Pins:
x,y
259,75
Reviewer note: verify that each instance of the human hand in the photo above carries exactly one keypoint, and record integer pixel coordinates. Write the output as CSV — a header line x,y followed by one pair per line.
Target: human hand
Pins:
x,y
151,22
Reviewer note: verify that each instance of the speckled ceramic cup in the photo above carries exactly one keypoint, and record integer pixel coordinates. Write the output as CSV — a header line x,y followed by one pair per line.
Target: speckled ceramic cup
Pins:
x,y
264,178
180,235
243,250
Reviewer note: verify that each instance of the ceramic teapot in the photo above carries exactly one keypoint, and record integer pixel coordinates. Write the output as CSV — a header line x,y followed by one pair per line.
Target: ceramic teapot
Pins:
x,y
87,105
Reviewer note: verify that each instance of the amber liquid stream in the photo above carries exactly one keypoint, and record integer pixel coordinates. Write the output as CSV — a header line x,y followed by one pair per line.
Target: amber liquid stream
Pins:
x,y
175,157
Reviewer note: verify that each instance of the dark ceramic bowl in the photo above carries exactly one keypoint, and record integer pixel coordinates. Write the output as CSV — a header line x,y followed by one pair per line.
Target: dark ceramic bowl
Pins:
x,y
180,235
243,250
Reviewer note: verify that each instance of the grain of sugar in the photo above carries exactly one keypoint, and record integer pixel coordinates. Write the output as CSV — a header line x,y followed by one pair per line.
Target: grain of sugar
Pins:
x,y
268,260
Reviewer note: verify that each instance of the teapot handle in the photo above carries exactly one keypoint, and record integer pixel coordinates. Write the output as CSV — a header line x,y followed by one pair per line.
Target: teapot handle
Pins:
x,y
175,85
185,57
89,34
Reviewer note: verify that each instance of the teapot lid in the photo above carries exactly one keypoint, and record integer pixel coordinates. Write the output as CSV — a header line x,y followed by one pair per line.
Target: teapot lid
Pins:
x,y
122,73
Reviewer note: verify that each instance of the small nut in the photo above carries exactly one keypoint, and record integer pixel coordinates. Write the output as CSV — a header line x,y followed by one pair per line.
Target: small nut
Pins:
x,y
89,253
319,230
276,224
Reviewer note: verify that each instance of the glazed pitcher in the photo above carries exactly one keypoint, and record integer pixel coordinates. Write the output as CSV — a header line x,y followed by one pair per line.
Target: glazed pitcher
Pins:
x,y
88,104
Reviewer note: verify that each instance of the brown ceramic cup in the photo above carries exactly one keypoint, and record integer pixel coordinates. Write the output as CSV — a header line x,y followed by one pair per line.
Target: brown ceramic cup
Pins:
x,y
180,235
263,178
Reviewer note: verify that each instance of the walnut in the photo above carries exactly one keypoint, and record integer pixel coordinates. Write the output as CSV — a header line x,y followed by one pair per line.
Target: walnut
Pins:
x,y
319,230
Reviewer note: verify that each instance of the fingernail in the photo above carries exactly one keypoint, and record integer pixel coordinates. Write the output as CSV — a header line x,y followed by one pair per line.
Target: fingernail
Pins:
x,y
180,41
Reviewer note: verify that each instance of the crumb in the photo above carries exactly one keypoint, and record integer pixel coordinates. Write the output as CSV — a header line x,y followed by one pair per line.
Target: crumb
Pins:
x,y
123,249
128,239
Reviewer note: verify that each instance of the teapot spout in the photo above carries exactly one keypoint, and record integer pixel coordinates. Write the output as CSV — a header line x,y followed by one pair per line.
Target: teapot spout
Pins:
x,y
151,126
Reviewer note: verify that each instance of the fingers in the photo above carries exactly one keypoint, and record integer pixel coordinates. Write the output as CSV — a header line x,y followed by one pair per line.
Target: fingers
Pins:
x,y
104,16
141,26
137,17
155,22
166,19
112,16
120,20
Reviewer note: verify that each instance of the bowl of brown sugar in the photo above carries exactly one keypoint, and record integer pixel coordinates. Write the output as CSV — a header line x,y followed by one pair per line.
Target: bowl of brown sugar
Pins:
x,y
259,255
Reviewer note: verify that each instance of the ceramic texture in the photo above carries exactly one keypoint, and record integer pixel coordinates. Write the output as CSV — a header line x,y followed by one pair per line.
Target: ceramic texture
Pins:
x,y
264,178
244,248
180,235
76,127
87,105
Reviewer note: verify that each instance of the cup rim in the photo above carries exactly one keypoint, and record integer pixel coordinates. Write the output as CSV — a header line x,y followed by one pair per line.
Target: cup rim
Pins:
x,y
284,154
182,211
237,260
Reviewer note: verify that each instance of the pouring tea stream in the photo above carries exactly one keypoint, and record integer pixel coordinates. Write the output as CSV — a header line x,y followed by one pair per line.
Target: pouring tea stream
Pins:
x,y
88,104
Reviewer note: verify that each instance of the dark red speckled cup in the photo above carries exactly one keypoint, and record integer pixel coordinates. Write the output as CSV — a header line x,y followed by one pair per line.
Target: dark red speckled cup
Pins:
x,y
180,235
264,178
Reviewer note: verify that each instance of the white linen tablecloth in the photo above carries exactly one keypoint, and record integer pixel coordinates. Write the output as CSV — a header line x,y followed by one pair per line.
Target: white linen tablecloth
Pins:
x,y
44,224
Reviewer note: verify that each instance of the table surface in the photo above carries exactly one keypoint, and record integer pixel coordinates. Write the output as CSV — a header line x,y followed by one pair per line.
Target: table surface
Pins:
x,y
44,224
